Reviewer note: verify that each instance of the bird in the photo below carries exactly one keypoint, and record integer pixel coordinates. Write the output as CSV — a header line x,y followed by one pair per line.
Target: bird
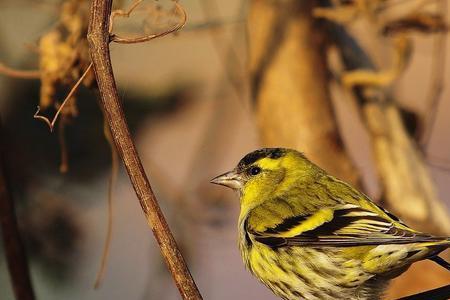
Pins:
x,y
307,235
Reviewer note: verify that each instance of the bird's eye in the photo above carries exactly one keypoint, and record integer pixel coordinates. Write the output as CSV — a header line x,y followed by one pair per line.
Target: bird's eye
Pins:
x,y
254,171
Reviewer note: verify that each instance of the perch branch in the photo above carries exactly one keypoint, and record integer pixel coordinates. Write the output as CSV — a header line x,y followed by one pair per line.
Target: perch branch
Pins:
x,y
14,250
440,293
98,39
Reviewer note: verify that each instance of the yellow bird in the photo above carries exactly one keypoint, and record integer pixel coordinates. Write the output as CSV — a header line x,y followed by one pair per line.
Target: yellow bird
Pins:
x,y
307,235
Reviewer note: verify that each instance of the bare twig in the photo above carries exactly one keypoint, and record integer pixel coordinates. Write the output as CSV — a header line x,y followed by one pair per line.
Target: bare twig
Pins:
x,y
23,74
51,124
125,40
98,39
14,250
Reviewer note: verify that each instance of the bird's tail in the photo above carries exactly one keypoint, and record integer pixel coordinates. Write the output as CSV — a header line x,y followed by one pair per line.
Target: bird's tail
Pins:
x,y
436,248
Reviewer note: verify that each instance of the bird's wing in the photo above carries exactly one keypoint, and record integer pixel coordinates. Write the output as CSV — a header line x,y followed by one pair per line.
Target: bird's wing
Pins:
x,y
344,225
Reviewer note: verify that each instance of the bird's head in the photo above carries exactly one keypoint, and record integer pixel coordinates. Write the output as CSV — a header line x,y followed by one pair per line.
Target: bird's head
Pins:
x,y
265,171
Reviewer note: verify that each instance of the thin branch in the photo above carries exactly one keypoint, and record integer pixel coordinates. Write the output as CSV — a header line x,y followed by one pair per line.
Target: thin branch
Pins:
x,y
14,250
22,74
51,124
124,40
98,39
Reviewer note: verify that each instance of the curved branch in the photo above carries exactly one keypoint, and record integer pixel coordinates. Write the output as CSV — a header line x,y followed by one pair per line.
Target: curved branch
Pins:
x,y
98,39
23,74
123,40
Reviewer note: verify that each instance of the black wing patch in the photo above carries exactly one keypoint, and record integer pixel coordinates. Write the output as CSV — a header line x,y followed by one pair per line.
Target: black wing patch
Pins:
x,y
287,224
350,226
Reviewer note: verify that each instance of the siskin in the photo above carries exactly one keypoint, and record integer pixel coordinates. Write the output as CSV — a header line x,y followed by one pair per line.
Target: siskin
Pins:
x,y
307,235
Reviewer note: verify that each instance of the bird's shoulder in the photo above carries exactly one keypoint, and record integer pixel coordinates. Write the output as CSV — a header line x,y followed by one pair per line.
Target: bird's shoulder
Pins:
x,y
316,200
291,203
329,213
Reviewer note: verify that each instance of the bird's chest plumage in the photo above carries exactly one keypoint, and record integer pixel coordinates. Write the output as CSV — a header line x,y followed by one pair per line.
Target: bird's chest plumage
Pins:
x,y
304,273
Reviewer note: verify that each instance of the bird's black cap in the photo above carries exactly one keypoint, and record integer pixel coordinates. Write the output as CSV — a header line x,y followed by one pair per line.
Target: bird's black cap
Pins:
x,y
273,153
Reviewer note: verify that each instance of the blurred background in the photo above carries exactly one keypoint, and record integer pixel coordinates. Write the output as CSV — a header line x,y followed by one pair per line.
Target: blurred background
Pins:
x,y
361,87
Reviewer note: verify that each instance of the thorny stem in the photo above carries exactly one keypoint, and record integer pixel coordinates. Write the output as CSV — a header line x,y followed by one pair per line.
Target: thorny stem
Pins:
x,y
14,250
98,39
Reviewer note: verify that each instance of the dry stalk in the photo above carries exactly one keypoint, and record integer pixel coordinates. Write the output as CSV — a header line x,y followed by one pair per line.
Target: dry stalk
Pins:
x,y
22,74
99,39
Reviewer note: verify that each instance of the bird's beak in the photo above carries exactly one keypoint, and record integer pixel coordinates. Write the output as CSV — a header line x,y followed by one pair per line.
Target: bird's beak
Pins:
x,y
230,179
